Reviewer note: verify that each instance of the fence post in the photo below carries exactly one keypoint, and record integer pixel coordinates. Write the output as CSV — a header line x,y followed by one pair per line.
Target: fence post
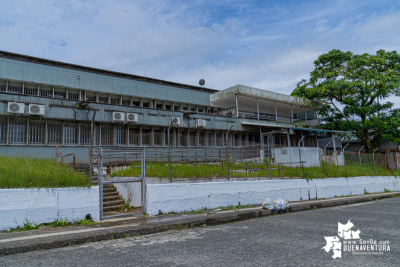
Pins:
x,y
344,157
359,154
301,167
326,163
227,152
100,179
373,158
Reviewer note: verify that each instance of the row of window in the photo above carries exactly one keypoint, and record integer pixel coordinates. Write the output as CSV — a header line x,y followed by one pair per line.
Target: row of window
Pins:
x,y
19,130
93,98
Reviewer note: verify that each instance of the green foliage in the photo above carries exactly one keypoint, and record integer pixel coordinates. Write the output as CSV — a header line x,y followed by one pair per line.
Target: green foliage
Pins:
x,y
387,190
18,172
177,227
349,86
206,171
196,212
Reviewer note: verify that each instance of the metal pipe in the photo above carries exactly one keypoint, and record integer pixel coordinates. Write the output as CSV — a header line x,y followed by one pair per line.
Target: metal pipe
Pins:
x,y
100,179
169,153
373,158
359,154
269,161
326,163
344,158
258,111
227,151
301,167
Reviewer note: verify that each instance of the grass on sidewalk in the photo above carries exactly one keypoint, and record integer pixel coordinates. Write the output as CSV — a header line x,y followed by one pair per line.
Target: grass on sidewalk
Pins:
x,y
161,170
19,172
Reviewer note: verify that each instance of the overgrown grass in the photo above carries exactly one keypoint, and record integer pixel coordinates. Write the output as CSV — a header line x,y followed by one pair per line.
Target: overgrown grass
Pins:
x,y
161,170
58,223
18,172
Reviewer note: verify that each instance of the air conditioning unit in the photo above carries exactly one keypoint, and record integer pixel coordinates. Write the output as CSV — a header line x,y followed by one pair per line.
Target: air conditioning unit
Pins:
x,y
200,123
118,116
132,117
36,109
14,107
175,121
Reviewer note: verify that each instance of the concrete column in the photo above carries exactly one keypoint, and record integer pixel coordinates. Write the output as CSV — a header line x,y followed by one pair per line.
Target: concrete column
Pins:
x,y
302,142
120,100
66,93
180,107
131,101
151,103
276,113
152,136
141,103
288,138
178,138
163,141
197,138
258,111
291,112
127,135
114,135
306,115
23,88
172,106
163,105
38,91
155,104
240,139
109,99
173,136
237,107
6,86
214,138
333,142
80,94
79,134
188,138
188,108
246,138
196,109
97,97
52,93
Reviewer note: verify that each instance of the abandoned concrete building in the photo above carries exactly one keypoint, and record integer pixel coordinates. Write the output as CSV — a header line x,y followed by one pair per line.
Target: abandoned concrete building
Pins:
x,y
45,103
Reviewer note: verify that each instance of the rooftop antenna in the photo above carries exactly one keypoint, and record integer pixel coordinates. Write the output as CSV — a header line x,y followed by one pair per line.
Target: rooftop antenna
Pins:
x,y
202,82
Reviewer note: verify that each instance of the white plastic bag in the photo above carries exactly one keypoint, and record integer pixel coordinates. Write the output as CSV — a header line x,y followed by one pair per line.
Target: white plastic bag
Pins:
x,y
277,205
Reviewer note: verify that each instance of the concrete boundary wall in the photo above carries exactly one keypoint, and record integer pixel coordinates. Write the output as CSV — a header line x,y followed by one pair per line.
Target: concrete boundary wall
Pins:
x,y
194,196
44,205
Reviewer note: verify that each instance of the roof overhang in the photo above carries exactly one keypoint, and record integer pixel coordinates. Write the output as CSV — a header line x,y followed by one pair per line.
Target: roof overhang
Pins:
x,y
248,97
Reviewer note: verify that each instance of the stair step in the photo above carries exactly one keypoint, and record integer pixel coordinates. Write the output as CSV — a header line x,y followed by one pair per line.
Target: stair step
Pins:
x,y
110,198
110,194
113,203
109,190
116,207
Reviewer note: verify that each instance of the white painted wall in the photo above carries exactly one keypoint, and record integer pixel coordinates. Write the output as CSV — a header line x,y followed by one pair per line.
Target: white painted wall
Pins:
x,y
195,196
291,154
44,205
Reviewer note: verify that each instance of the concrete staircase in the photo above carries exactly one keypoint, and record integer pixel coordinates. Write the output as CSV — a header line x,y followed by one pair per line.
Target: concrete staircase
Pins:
x,y
112,200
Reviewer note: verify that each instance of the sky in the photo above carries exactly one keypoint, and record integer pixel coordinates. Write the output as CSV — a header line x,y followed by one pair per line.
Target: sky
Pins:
x,y
264,44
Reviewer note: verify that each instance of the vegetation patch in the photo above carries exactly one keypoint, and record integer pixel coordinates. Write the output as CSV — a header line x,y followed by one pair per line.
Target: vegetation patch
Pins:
x,y
238,170
19,172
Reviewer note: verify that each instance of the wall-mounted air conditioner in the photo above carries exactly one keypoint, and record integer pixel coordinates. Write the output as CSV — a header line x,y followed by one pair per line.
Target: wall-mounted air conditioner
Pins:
x,y
200,123
175,121
14,107
118,116
132,117
35,109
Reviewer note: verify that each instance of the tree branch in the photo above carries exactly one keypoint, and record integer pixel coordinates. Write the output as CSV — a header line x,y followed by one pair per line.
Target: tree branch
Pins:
x,y
344,116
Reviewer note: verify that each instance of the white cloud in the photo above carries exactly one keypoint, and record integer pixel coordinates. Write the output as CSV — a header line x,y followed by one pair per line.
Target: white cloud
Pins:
x,y
260,44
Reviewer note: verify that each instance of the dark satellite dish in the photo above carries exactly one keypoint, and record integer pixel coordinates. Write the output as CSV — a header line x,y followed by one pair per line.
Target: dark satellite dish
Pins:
x,y
202,82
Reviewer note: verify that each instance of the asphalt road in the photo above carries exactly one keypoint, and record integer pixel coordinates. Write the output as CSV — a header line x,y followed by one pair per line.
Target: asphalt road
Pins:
x,y
294,239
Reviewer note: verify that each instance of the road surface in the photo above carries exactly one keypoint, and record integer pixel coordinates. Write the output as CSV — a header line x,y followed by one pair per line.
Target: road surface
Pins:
x,y
295,239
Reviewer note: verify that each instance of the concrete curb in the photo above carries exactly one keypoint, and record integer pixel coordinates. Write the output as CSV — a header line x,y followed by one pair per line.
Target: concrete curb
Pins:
x,y
21,245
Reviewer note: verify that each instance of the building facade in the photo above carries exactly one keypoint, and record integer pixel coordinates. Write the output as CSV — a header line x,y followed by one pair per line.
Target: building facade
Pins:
x,y
46,103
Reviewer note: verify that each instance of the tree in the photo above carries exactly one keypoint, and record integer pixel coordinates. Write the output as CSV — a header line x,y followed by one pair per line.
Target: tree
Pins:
x,y
354,89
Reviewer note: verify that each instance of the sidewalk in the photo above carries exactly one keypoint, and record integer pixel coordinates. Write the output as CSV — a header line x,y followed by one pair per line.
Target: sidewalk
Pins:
x,y
20,242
